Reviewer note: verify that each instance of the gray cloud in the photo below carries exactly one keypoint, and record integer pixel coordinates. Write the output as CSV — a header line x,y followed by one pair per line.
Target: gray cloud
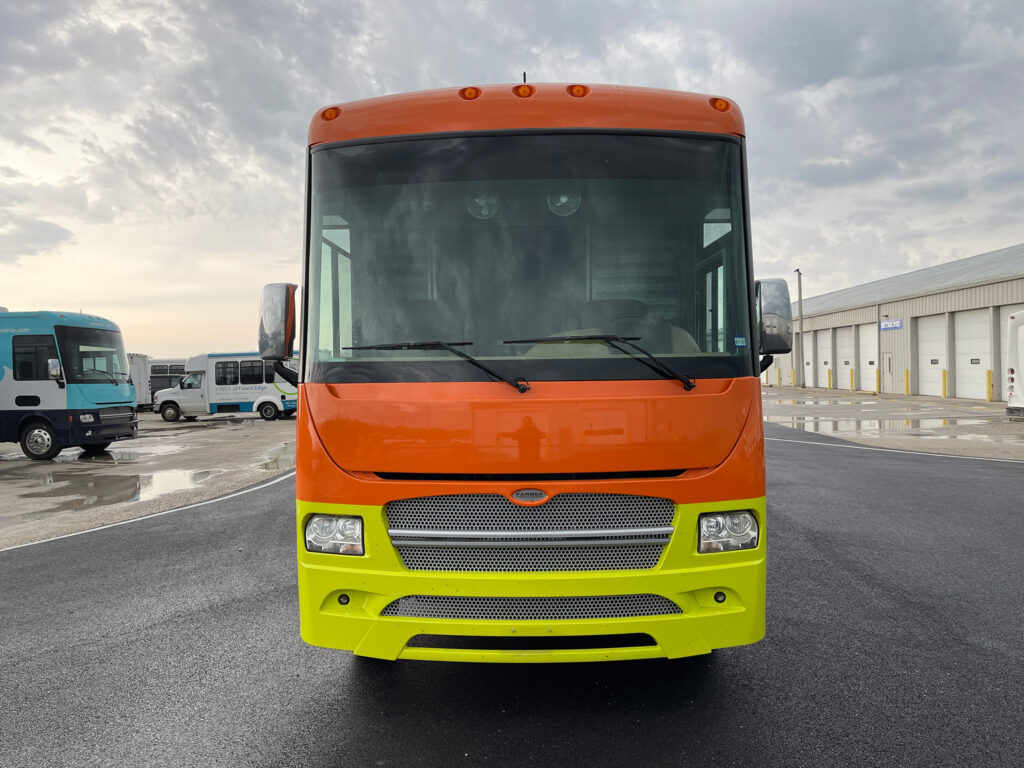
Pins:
x,y
21,236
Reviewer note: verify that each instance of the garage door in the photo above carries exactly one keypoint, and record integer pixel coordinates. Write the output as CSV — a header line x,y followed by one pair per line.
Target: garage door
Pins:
x,y
999,379
845,363
867,363
785,365
973,358
808,361
823,347
931,354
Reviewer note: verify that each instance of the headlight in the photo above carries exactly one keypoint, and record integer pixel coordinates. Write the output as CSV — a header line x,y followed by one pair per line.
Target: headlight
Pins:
x,y
727,531
86,418
335,534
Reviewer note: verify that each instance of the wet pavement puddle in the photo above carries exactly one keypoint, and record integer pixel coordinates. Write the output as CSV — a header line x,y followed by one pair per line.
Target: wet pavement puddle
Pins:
x,y
898,427
282,458
70,490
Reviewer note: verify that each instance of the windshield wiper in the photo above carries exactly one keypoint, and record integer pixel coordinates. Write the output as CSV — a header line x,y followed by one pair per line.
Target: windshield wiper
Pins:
x,y
614,342
113,378
451,346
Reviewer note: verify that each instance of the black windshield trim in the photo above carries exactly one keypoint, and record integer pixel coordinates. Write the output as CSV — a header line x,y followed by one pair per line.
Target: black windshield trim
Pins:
x,y
526,132
531,369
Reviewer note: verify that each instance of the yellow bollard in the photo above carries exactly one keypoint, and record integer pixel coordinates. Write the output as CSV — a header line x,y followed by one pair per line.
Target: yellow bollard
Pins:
x,y
878,381
906,381
944,382
830,378
779,371
988,386
852,388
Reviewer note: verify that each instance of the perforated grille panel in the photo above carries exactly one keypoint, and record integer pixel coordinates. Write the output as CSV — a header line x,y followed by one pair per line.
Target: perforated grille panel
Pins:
x,y
530,558
569,532
531,608
489,511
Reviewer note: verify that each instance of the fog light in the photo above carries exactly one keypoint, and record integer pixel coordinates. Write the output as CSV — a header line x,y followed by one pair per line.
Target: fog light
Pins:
x,y
86,418
726,531
335,534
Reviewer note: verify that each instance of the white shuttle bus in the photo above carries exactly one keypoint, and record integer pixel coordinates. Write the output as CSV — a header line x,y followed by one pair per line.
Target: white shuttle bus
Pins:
x,y
227,383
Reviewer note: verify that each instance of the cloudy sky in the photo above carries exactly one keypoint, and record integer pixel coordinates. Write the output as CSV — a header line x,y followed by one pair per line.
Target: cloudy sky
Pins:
x,y
151,151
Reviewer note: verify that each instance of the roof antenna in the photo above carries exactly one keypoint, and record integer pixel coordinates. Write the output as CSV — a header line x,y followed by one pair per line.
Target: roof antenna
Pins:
x,y
524,77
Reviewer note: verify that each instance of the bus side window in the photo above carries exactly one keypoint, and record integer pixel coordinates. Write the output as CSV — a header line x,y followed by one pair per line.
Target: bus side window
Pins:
x,y
226,373
250,371
30,356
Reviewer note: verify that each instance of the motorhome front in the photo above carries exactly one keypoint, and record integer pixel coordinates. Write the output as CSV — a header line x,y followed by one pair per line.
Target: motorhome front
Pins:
x,y
227,383
64,381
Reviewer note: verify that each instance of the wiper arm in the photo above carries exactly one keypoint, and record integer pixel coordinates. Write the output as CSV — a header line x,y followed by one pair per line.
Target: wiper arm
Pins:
x,y
522,385
614,342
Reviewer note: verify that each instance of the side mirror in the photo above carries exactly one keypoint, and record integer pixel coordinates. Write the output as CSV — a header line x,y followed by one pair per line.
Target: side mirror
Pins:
x,y
54,371
277,321
776,311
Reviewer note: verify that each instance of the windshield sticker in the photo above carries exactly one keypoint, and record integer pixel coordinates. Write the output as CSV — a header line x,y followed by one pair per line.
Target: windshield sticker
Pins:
x,y
739,341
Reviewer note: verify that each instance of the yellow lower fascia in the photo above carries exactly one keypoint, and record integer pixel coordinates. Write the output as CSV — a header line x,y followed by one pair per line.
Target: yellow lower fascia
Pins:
x,y
374,580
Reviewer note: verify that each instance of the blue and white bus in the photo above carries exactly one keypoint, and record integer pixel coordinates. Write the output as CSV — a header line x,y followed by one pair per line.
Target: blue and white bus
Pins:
x,y
64,381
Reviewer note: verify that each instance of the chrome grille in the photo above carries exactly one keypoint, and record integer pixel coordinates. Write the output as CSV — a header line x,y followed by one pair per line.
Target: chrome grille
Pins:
x,y
531,608
569,532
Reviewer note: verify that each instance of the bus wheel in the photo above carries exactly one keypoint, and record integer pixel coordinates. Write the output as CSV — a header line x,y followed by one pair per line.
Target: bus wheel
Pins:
x,y
269,411
39,442
170,412
96,447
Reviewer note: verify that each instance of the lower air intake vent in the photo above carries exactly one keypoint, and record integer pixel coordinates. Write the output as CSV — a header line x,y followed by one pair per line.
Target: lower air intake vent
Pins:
x,y
531,608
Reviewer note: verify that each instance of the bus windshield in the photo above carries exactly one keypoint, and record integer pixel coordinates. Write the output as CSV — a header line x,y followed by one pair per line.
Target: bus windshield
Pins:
x,y
491,239
91,355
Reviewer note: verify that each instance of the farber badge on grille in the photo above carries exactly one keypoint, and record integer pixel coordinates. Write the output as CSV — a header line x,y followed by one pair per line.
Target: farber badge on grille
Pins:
x,y
528,494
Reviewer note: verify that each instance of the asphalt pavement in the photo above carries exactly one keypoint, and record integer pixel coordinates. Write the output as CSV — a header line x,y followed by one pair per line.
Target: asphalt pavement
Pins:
x,y
894,615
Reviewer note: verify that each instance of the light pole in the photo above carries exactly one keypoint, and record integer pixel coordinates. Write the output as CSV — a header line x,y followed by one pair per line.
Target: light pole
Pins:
x,y
800,312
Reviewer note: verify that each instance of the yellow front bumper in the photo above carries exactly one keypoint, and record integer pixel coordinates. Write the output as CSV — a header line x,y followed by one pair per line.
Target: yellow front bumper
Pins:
x,y
688,579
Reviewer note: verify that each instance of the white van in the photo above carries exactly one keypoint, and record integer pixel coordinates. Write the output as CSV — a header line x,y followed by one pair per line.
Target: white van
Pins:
x,y
227,383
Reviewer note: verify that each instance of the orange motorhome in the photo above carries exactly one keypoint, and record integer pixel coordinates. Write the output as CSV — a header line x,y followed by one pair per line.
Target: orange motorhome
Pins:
x,y
529,410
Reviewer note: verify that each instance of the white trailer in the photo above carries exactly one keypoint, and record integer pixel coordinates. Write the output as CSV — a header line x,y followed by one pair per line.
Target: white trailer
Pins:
x,y
227,383
138,366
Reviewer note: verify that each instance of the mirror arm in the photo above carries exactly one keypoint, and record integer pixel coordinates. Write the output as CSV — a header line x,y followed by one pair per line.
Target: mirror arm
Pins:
x,y
766,362
286,373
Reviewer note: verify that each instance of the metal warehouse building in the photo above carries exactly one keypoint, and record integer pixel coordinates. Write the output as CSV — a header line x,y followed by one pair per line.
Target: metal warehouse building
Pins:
x,y
937,331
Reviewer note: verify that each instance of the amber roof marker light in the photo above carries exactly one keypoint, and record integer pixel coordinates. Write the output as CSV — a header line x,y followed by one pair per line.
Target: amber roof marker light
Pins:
x,y
579,91
470,93
330,113
524,91
720,104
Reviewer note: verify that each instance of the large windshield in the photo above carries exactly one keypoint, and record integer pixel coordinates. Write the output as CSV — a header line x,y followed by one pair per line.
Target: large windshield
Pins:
x,y
92,355
498,238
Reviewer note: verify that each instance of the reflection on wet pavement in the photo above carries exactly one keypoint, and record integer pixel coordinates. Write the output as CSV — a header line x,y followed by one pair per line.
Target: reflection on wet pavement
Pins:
x,y
920,428
71,490
282,458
